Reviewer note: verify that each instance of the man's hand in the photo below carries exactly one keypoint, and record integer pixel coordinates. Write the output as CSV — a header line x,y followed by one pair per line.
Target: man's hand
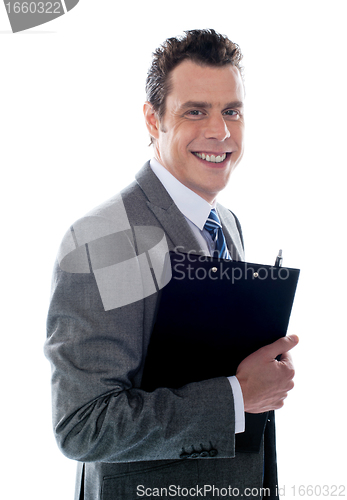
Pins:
x,y
265,381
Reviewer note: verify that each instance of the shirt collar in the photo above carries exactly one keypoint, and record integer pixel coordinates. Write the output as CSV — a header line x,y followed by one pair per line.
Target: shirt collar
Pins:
x,y
192,206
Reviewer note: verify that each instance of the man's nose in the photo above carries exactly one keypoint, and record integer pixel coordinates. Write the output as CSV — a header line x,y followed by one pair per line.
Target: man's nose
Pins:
x,y
217,128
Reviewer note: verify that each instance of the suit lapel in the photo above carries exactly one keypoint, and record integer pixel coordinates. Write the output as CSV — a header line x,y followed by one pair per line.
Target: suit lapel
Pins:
x,y
176,229
231,233
162,206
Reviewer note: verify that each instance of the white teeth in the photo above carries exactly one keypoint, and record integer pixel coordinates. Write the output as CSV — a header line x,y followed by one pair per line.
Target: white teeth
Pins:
x,y
212,158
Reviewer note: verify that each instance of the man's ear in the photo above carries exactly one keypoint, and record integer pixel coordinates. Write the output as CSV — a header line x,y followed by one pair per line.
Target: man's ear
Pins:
x,y
151,119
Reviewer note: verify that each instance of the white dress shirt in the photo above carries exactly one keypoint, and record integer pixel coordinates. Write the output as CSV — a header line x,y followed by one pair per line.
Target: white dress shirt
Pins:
x,y
196,211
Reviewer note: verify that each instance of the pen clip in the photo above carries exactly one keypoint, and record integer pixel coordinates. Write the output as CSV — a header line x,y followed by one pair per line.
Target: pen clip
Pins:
x,y
279,259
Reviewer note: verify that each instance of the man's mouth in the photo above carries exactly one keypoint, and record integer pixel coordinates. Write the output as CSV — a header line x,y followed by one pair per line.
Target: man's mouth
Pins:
x,y
211,158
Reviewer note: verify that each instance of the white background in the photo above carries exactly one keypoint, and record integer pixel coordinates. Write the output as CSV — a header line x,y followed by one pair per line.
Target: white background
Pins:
x,y
72,135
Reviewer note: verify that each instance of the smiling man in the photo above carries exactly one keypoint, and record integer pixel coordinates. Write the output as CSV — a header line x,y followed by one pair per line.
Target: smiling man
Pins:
x,y
200,138
130,442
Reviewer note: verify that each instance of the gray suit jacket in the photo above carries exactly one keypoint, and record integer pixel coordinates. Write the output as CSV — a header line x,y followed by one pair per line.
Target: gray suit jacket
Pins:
x,y
125,439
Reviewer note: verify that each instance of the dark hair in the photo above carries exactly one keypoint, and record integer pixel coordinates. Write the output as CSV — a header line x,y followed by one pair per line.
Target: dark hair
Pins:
x,y
205,47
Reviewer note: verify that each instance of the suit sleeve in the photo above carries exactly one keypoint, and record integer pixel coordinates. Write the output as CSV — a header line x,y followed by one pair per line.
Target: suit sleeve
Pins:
x,y
99,412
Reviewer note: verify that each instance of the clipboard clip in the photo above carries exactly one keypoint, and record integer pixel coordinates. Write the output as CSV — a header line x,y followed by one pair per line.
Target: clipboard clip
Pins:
x,y
279,259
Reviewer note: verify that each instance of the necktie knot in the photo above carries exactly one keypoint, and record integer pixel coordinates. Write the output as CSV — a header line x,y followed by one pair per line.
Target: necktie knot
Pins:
x,y
214,228
212,224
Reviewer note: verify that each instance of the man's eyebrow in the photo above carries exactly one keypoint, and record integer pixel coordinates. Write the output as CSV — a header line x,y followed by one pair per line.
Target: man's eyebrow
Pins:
x,y
234,104
208,105
196,104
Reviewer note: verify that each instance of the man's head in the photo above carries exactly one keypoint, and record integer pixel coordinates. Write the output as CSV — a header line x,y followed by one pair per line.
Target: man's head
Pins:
x,y
194,111
204,47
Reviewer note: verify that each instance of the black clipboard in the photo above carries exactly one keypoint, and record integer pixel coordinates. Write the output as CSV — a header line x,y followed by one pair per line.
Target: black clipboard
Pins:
x,y
211,315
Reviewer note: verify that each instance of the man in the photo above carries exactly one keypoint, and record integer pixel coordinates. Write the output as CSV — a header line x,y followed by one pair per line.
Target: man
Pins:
x,y
129,442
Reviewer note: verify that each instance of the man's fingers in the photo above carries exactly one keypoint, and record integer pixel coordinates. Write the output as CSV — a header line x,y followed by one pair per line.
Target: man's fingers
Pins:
x,y
293,338
265,382
282,345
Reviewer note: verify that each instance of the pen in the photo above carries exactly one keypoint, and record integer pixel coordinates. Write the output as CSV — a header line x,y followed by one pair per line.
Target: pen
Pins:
x,y
279,259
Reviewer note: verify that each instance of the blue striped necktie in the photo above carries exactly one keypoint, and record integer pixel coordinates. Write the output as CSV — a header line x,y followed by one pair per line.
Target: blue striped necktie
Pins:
x,y
214,227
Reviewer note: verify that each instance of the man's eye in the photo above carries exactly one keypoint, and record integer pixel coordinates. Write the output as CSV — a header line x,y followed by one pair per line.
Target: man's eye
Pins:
x,y
194,112
232,112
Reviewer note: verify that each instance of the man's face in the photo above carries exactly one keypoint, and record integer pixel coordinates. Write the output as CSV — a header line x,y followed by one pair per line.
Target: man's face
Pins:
x,y
200,137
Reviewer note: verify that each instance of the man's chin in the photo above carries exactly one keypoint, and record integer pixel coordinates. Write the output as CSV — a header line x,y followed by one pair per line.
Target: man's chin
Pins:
x,y
210,189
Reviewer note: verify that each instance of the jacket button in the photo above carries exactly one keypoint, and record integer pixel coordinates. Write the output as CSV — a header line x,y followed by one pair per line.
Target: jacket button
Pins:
x,y
204,454
194,455
213,453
